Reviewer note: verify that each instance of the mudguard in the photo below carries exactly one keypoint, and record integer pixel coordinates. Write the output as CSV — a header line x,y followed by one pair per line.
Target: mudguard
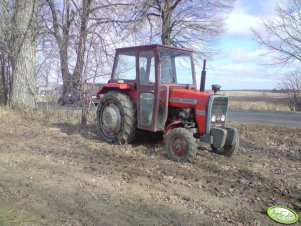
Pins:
x,y
111,86
219,137
231,136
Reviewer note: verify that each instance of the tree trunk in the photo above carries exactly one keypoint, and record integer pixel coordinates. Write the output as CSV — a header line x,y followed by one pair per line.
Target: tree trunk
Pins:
x,y
81,49
4,80
79,80
66,75
24,81
166,22
61,34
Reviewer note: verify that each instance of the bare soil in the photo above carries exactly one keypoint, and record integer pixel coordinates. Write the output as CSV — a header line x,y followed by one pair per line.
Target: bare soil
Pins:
x,y
52,172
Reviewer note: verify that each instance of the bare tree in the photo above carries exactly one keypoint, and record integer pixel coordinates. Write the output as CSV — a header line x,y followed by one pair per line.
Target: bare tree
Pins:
x,y
85,32
23,65
74,23
17,43
61,31
6,49
291,84
282,36
190,24
5,78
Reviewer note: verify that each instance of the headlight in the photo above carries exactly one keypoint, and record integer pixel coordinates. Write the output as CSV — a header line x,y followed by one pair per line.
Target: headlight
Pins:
x,y
223,118
213,118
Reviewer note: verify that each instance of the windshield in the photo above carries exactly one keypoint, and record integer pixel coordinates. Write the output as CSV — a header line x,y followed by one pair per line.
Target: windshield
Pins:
x,y
176,67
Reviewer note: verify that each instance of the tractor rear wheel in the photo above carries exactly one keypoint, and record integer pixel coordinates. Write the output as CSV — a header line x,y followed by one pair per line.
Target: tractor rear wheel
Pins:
x,y
227,150
116,118
180,145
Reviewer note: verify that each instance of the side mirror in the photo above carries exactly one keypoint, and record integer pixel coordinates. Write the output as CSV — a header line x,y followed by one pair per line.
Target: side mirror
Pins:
x,y
216,88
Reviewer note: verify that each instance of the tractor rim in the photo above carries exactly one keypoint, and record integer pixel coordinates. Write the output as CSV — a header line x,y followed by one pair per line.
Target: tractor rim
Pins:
x,y
179,147
110,119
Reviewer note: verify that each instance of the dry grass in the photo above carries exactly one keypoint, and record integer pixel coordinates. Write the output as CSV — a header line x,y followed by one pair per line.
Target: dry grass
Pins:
x,y
257,106
46,99
261,94
55,173
257,100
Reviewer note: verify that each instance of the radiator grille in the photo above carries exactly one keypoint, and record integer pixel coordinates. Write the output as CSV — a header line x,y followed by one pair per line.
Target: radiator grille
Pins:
x,y
219,106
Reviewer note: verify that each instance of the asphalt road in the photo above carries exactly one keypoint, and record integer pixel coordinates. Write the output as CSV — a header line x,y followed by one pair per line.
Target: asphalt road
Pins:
x,y
274,118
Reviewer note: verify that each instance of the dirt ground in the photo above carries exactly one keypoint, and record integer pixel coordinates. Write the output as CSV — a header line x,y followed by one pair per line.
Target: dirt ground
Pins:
x,y
52,172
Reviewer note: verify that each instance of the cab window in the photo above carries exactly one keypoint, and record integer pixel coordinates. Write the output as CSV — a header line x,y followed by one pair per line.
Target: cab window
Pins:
x,y
146,68
125,66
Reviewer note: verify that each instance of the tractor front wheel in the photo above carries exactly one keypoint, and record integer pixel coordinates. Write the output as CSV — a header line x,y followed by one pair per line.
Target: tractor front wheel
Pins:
x,y
116,118
180,145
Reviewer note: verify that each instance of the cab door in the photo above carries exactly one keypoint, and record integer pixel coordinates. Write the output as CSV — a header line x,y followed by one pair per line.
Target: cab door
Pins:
x,y
165,77
146,89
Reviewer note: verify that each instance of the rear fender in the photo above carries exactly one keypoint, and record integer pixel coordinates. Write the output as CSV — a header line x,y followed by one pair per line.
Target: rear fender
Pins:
x,y
112,86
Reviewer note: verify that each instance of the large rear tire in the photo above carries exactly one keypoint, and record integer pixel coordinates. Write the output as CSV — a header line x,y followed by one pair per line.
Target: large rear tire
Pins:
x,y
180,145
116,118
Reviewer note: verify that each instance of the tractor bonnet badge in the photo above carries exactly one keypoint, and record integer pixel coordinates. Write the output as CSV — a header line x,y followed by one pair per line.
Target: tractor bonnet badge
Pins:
x,y
282,215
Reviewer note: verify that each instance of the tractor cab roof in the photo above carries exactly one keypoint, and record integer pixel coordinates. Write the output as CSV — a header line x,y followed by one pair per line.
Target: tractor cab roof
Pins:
x,y
153,46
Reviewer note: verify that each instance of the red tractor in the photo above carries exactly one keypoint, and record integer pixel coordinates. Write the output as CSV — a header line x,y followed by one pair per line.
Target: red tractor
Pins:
x,y
153,88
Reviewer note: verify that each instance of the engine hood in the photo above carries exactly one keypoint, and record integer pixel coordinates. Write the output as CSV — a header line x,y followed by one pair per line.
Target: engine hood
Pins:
x,y
188,98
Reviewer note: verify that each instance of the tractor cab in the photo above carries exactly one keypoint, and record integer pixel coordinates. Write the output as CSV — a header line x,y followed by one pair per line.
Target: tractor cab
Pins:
x,y
149,73
154,88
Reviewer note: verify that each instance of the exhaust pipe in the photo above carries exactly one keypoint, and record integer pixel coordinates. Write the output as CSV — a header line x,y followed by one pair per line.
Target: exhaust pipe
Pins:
x,y
203,77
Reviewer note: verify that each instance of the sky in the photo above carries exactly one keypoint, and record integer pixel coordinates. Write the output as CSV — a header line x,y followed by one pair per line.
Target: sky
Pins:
x,y
240,63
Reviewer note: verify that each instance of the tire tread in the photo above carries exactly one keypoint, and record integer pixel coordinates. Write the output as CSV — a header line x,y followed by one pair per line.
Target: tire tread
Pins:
x,y
192,146
128,114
